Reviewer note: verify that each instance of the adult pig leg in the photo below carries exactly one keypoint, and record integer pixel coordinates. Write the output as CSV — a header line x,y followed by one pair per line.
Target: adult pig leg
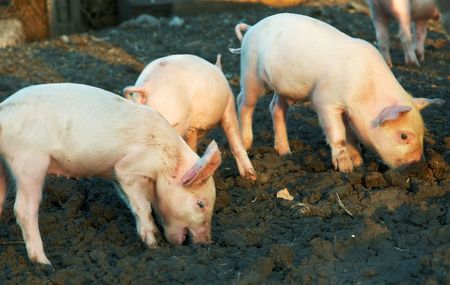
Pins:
x,y
332,122
132,174
420,37
278,108
30,170
231,129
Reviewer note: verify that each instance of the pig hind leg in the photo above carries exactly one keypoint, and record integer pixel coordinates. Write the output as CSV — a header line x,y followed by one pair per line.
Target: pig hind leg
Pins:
x,y
251,88
402,15
231,129
29,183
278,108
191,138
420,37
380,23
3,186
136,193
332,122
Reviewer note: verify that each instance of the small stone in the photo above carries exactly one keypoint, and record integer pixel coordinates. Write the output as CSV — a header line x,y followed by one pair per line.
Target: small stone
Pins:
x,y
282,255
143,21
397,179
374,179
176,22
65,39
370,272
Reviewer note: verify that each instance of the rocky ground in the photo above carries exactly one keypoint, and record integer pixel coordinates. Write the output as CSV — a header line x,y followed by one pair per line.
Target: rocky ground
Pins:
x,y
396,230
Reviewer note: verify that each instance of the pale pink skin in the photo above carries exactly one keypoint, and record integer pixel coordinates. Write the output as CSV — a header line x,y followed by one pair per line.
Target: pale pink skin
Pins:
x,y
350,86
194,96
77,130
405,12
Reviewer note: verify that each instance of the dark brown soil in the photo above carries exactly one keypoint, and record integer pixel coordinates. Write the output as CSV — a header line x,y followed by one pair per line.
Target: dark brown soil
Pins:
x,y
399,231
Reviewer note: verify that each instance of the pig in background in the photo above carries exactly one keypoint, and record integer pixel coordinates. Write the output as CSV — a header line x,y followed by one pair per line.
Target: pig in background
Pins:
x,y
77,130
405,12
194,96
352,89
444,8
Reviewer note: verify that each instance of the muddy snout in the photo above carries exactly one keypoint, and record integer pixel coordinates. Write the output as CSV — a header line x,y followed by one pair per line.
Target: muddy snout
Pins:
x,y
410,159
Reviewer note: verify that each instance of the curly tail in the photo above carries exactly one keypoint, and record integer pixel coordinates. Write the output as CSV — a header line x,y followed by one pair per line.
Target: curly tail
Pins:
x,y
241,27
219,61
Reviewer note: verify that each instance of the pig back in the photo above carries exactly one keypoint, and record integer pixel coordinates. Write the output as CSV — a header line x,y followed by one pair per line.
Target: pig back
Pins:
x,y
292,52
187,90
78,123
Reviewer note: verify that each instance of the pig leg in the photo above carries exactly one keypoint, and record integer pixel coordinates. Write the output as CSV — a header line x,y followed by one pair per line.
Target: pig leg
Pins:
x,y
278,108
352,145
191,138
380,23
30,172
231,129
421,35
251,89
3,187
332,122
137,189
402,15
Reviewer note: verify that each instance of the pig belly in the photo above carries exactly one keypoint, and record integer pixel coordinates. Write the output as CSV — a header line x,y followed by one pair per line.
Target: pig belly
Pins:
x,y
423,9
86,166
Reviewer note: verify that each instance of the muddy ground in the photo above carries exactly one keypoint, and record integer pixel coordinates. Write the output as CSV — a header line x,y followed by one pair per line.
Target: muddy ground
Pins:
x,y
400,229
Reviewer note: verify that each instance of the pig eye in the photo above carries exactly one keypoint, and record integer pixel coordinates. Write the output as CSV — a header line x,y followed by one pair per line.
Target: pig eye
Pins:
x,y
201,204
404,136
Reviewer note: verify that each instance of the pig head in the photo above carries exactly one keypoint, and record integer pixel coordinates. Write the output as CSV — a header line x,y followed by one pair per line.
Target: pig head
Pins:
x,y
185,203
395,132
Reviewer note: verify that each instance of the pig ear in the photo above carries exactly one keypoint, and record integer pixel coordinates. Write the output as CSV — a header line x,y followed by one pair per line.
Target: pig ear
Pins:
x,y
204,167
421,103
135,94
390,113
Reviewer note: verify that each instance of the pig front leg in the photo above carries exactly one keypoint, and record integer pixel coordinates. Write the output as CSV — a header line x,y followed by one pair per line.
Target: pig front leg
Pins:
x,y
278,108
137,190
332,122
30,171
421,35
352,144
231,129
380,23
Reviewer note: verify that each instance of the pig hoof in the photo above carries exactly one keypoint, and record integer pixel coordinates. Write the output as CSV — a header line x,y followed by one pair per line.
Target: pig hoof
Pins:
x,y
41,260
342,162
412,61
250,174
283,151
148,237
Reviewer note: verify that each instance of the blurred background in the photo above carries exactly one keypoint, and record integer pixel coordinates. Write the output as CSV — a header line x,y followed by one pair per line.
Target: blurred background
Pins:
x,y
28,20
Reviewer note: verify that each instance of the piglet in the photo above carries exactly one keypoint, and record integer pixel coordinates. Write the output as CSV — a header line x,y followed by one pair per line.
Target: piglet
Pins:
x,y
194,96
352,89
405,12
77,130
